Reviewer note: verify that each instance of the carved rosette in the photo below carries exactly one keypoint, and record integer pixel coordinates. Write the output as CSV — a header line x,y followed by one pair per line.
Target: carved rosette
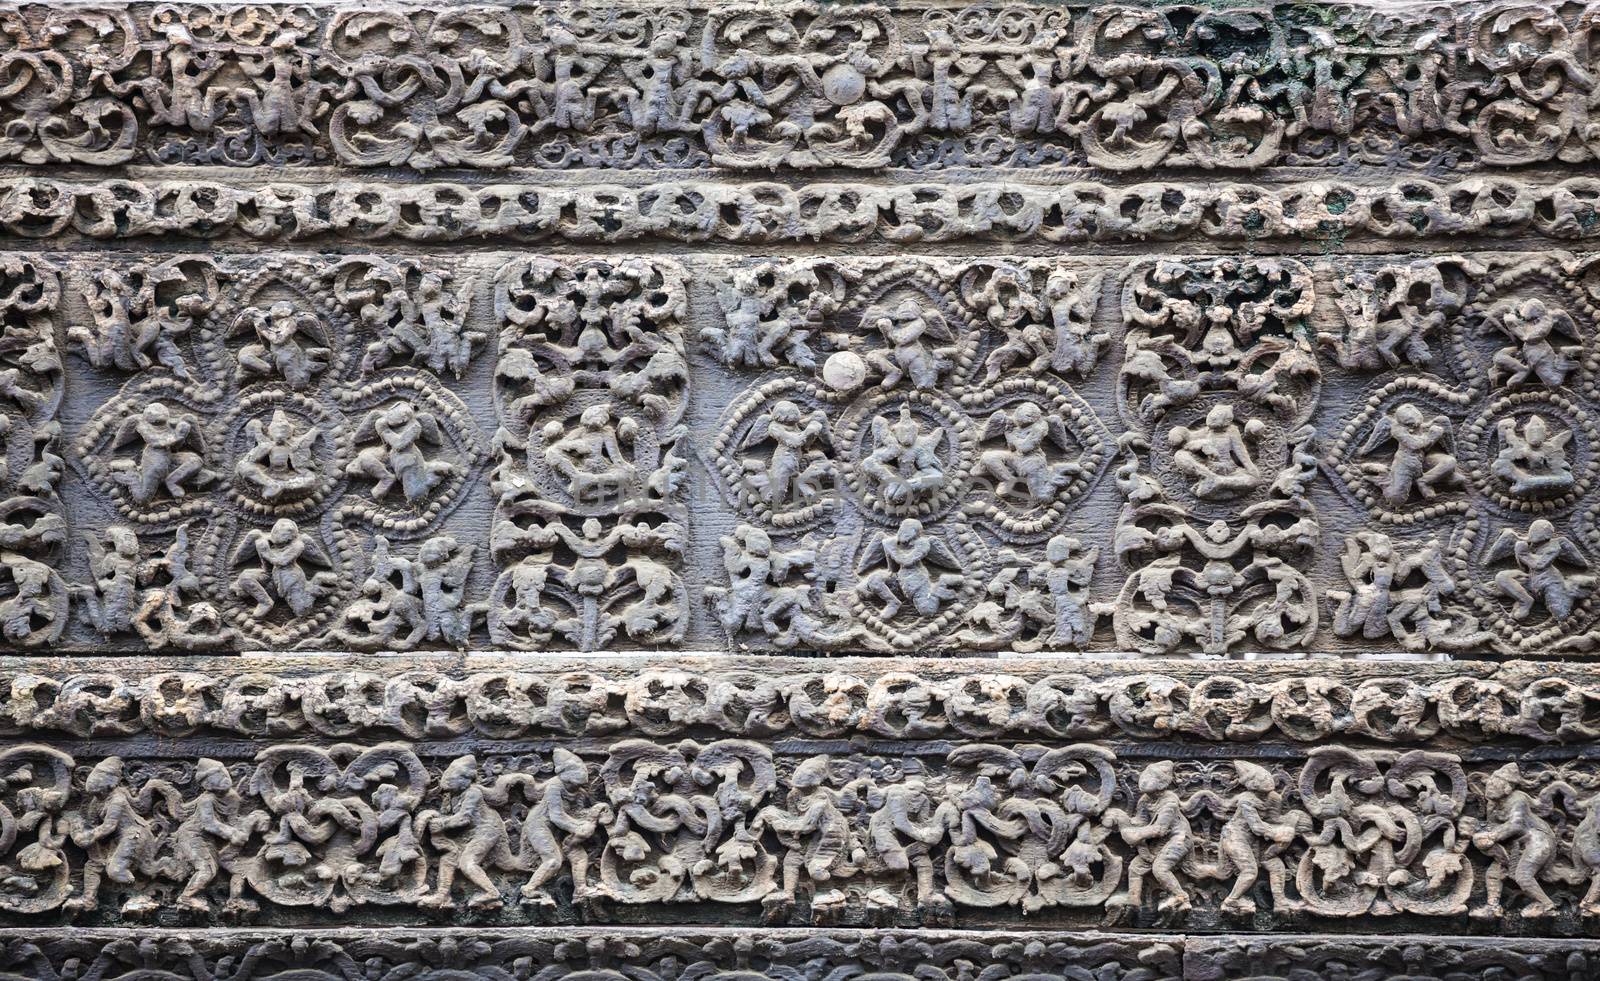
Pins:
x,y
891,450
1474,454
260,432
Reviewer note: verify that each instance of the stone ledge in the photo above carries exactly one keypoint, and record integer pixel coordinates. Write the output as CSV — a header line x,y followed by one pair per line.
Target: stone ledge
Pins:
x,y
679,954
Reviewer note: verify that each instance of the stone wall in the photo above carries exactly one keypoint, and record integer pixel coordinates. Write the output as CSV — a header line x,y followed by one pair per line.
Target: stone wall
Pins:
x,y
799,490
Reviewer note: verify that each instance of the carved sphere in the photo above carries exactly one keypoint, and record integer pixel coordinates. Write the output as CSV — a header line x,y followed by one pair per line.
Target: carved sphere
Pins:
x,y
844,371
843,85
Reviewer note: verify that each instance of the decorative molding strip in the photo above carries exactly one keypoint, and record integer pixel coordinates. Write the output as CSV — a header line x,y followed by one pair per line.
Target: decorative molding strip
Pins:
x,y
698,211
688,954
800,86
640,953
787,697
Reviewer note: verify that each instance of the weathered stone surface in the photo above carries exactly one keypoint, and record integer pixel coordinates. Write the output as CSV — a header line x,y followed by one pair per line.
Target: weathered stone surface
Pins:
x,y
799,490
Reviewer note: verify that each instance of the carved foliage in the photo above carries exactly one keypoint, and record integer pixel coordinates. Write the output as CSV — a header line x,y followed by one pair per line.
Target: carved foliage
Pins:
x,y
591,388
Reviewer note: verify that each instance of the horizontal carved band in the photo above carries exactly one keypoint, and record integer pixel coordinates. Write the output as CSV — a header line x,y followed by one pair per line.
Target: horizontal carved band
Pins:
x,y
785,697
927,836
768,213
1207,456
689,954
802,86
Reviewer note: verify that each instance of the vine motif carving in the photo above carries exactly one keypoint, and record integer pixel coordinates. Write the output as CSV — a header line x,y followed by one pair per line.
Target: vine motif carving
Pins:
x,y
1124,88
1217,387
1554,707
592,385
1344,833
1400,210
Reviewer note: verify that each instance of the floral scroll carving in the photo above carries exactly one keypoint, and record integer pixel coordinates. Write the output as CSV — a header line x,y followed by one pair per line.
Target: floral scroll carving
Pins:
x,y
1118,88
818,837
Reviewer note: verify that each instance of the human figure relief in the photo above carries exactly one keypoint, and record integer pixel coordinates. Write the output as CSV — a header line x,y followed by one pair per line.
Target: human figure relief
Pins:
x,y
1541,555
1396,594
437,336
1533,325
790,475
664,90
278,349
176,91
757,596
1044,606
389,605
1064,577
1520,844
398,459
899,571
949,90
572,98
904,461
1151,361
36,613
401,846
280,577
523,614
1532,459
1163,836
1422,462
1023,469
42,473
1254,838
1033,71
907,329
282,99
119,832
590,455
556,831
902,829
819,841
207,841
130,326
1218,455
279,462
163,619
112,599
1076,344
471,834
443,566
162,461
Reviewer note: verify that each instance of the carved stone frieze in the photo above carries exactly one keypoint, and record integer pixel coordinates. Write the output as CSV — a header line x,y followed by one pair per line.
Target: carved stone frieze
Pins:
x,y
750,489
1196,456
738,86
670,954
920,833
527,696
